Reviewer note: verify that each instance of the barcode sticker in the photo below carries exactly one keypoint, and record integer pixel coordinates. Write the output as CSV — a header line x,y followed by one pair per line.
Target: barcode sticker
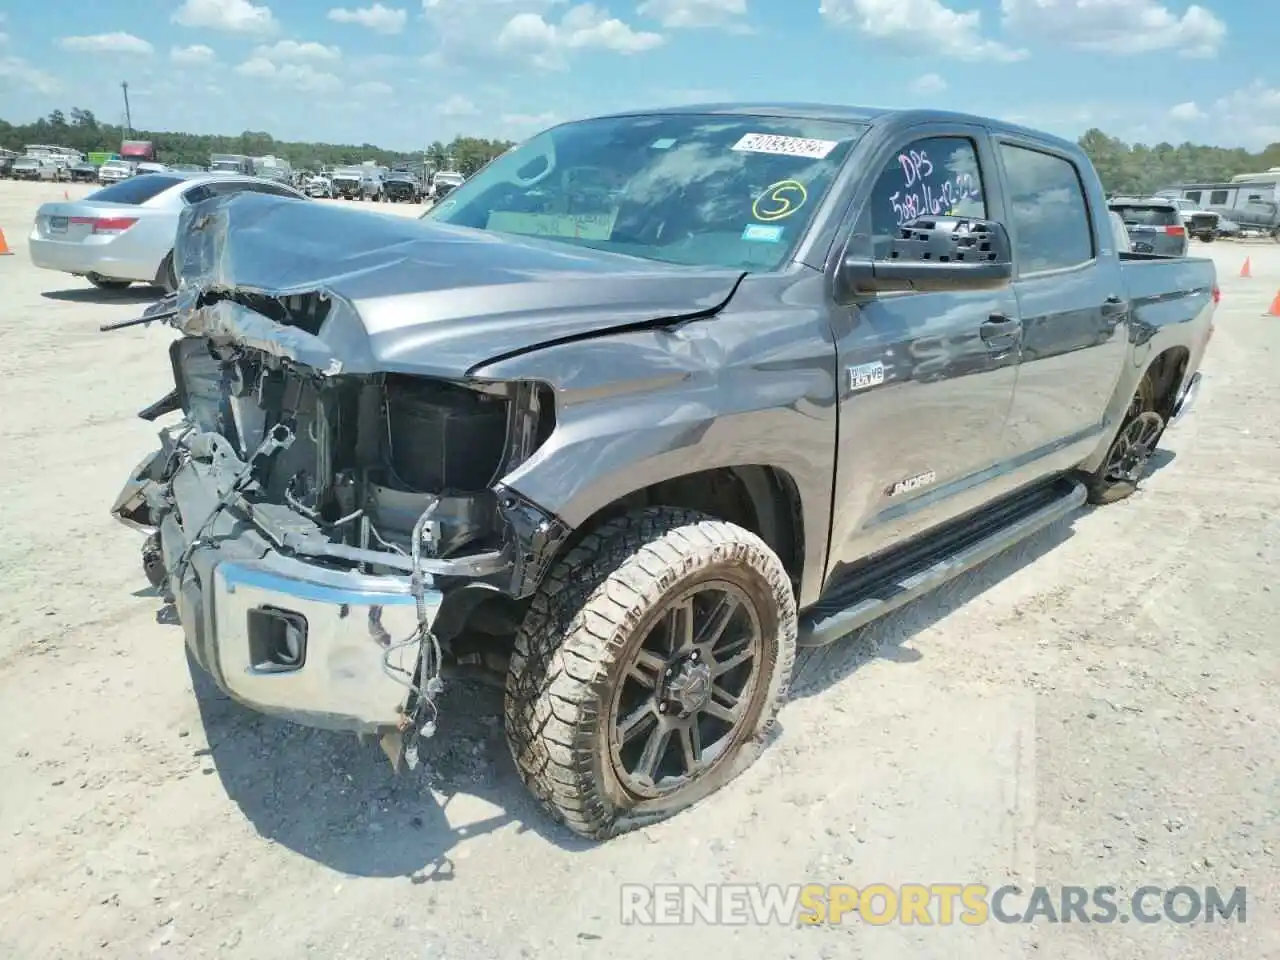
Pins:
x,y
786,146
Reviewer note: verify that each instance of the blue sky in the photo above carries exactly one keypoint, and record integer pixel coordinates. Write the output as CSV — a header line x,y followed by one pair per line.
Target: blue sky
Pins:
x,y
400,73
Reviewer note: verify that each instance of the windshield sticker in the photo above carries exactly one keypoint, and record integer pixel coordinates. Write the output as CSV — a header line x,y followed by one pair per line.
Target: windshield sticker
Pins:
x,y
779,200
762,233
565,226
666,143
786,146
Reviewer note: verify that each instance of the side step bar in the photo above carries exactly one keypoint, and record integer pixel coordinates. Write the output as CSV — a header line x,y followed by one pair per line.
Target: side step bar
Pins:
x,y
990,532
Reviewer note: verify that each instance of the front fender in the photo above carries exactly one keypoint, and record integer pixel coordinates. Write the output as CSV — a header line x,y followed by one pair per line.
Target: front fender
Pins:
x,y
637,408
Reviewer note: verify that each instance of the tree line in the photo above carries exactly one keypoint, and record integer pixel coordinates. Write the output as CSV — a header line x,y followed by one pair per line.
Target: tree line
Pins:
x,y
1124,168
81,130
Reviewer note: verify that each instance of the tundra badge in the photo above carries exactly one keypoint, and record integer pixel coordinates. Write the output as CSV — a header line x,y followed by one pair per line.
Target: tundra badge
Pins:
x,y
866,375
912,483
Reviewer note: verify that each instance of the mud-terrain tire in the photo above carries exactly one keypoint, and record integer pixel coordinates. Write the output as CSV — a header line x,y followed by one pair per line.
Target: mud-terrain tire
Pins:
x,y
1125,464
596,632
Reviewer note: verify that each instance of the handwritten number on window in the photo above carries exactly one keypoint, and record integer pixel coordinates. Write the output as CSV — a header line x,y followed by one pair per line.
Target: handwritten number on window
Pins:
x,y
922,197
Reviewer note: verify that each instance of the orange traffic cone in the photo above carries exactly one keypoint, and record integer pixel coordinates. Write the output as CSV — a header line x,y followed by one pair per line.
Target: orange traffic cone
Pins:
x,y
1247,269
4,246
1274,309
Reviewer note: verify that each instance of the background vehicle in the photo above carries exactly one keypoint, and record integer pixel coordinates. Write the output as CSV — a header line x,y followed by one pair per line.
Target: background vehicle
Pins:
x,y
125,232
148,166
642,444
1200,223
83,172
35,168
231,163
188,168
318,187
400,186
113,171
139,151
444,183
1154,225
357,183
6,166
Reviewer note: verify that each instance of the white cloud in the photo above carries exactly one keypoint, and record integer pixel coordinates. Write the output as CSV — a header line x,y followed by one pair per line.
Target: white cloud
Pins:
x,y
24,74
117,42
928,84
582,27
297,76
293,50
457,106
1117,26
1248,117
230,16
922,27
377,18
683,14
257,67
524,123
1186,112
194,54
373,88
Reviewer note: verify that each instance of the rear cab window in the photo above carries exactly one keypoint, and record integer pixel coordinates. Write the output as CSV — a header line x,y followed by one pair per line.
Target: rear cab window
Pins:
x,y
1047,210
135,190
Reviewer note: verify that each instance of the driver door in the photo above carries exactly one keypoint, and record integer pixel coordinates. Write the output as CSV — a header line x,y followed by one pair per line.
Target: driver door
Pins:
x,y
926,379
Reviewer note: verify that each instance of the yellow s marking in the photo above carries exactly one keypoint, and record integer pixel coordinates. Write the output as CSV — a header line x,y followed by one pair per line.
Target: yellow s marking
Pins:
x,y
779,200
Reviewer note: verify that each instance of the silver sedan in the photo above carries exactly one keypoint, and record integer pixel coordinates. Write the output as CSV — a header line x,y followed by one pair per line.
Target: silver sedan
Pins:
x,y
124,233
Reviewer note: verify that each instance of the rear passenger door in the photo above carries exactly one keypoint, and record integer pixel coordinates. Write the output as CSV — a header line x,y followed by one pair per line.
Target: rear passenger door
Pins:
x,y
1072,303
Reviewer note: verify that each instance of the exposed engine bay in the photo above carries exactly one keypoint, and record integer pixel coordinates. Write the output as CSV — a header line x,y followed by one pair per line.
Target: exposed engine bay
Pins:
x,y
385,475
368,456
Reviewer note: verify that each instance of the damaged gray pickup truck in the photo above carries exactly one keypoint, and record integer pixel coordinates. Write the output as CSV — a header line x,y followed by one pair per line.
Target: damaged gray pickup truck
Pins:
x,y
647,403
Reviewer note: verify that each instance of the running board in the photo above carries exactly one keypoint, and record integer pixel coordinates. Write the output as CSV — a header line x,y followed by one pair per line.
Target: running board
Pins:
x,y
897,580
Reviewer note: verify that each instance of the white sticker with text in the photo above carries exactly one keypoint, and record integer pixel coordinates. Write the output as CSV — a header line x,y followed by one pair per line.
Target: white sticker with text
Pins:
x,y
786,146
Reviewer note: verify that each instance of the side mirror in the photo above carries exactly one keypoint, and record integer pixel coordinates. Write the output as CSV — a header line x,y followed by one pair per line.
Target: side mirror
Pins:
x,y
936,254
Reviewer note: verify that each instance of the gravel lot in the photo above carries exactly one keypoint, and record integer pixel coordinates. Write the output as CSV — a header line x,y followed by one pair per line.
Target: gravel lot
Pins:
x,y
1097,707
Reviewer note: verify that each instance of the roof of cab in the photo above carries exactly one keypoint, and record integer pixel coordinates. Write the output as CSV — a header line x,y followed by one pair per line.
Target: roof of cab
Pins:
x,y
872,116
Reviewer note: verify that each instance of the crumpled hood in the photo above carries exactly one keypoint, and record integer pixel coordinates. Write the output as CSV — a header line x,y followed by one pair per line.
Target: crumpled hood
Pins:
x,y
412,296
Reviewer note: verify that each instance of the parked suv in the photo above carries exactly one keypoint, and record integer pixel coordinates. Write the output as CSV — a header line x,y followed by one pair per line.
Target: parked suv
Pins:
x,y
1154,225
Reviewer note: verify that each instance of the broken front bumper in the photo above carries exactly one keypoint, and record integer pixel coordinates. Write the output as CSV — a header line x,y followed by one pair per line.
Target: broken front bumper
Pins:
x,y
316,645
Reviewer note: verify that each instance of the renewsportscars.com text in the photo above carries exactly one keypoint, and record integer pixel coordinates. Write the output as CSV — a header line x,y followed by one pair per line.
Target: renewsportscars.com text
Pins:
x,y
942,904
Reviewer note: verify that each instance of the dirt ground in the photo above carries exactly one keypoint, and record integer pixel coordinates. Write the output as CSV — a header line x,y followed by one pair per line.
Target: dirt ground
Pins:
x,y
1097,707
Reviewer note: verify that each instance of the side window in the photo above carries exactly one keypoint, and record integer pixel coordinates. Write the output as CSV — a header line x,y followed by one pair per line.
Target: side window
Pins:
x,y
1218,198
1047,209
938,176
1193,196
198,194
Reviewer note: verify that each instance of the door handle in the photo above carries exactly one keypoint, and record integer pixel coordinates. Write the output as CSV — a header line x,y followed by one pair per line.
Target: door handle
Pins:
x,y
998,326
1114,306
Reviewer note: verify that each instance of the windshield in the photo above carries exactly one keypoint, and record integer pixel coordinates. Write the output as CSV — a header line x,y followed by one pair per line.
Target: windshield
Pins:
x,y
729,191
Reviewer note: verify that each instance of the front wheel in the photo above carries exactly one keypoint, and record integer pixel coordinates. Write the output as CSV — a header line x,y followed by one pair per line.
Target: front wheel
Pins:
x,y
649,669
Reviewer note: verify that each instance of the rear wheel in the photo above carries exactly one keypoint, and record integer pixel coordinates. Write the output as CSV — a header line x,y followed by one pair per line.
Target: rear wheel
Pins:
x,y
102,283
1127,457
649,669
167,278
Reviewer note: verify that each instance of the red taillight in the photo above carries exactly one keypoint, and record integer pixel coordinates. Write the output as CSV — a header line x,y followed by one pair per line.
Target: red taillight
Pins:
x,y
1217,295
1175,231
113,224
